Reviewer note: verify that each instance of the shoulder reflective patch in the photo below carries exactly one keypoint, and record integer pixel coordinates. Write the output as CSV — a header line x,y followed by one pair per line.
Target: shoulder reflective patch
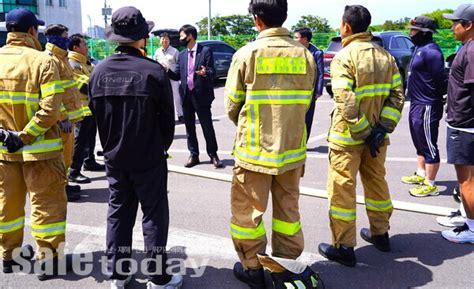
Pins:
x,y
281,65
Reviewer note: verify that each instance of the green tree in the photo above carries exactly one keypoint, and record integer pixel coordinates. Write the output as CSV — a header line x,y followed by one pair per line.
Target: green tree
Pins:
x,y
228,25
443,23
315,23
400,24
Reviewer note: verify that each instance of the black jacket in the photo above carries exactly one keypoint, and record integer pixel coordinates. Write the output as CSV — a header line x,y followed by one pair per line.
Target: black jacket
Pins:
x,y
132,101
203,86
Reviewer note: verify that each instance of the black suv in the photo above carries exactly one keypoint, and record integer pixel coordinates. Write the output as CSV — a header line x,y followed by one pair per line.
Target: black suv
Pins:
x,y
398,44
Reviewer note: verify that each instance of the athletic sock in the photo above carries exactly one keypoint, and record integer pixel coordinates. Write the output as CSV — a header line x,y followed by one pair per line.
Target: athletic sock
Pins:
x,y
421,173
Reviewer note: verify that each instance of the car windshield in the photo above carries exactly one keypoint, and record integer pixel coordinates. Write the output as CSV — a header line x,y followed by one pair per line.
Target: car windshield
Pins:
x,y
335,45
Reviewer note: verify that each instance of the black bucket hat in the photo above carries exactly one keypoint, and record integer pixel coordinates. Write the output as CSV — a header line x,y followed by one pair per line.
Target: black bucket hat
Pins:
x,y
128,25
424,23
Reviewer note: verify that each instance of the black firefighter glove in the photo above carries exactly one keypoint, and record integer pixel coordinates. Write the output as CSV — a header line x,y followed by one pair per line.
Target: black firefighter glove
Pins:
x,y
11,140
375,140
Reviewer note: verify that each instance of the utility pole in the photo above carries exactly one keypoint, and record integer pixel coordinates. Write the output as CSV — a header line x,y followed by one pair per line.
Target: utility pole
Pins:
x,y
106,12
209,22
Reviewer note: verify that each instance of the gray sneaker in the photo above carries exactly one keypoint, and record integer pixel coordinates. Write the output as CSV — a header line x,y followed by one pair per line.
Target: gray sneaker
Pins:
x,y
455,219
120,284
175,283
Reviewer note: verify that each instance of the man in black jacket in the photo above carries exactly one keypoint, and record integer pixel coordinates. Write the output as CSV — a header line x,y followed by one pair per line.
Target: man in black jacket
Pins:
x,y
132,100
195,69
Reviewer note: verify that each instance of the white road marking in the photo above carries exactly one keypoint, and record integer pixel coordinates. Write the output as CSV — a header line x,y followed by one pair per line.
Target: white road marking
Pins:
x,y
398,205
318,137
310,155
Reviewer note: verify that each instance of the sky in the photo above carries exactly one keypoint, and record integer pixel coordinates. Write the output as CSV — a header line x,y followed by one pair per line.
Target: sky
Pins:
x,y
175,13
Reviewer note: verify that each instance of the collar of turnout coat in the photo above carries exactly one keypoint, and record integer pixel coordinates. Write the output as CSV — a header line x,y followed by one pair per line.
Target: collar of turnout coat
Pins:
x,y
23,39
362,37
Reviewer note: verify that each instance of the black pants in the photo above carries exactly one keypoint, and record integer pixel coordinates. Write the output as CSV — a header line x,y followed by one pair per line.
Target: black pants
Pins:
x,y
84,143
309,117
127,189
190,109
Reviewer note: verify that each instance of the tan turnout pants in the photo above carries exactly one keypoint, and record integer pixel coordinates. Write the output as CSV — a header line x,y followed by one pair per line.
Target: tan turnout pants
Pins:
x,y
343,169
249,198
45,182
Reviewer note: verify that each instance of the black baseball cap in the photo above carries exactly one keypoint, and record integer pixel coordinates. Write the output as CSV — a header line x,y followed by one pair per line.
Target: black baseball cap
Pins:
x,y
128,25
424,23
23,19
463,12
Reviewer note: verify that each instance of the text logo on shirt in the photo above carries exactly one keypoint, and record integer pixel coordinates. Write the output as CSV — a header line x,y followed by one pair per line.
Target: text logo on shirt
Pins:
x,y
120,79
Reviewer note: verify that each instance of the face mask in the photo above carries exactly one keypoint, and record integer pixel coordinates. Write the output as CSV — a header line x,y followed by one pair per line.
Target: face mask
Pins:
x,y
61,42
185,41
421,38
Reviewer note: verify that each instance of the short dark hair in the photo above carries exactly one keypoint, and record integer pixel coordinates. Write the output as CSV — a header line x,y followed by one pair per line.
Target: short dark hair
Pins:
x,y
189,29
305,32
55,29
272,12
75,40
13,27
164,34
358,17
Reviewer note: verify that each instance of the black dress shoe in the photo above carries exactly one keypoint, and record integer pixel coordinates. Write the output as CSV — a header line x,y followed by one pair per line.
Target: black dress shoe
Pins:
x,y
181,119
342,255
94,167
216,162
72,197
73,188
26,253
192,161
100,153
54,267
254,278
381,242
78,178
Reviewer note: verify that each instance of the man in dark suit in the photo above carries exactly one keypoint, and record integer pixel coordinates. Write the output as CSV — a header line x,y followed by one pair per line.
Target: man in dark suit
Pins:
x,y
195,69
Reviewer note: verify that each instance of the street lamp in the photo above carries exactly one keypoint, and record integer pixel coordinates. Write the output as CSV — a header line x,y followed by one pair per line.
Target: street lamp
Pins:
x,y
209,23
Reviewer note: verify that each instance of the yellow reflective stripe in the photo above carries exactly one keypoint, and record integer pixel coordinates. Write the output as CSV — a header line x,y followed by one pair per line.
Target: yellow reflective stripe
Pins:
x,y
235,96
15,97
34,129
391,113
396,80
68,83
48,230
39,146
286,228
269,159
254,126
76,114
247,233
248,110
86,111
342,214
373,90
279,97
343,138
362,124
15,225
281,65
62,108
51,88
81,80
380,206
342,83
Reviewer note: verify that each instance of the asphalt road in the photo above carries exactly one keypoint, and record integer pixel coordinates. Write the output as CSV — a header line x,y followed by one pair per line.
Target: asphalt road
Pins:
x,y
200,243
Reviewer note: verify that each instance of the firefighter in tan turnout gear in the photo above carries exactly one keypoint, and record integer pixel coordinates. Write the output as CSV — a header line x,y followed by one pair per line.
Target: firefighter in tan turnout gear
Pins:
x,y
268,91
31,156
368,98
71,109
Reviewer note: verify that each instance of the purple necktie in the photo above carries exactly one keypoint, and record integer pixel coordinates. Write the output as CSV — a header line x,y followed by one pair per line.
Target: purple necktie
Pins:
x,y
190,70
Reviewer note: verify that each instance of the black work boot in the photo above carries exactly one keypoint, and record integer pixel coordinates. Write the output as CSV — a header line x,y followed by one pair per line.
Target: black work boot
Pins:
x,y
381,242
254,278
26,253
289,279
45,270
342,255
